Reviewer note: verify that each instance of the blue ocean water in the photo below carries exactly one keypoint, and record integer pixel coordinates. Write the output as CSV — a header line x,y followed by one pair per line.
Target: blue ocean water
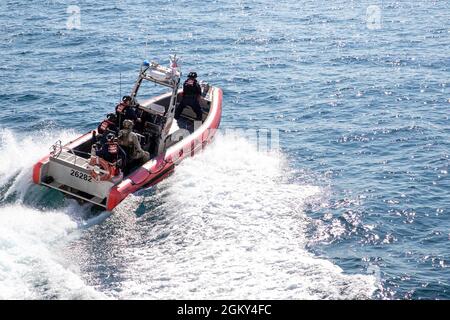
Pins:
x,y
356,204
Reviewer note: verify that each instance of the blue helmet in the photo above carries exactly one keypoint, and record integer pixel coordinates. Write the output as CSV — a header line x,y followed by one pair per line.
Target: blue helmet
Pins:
x,y
111,117
110,137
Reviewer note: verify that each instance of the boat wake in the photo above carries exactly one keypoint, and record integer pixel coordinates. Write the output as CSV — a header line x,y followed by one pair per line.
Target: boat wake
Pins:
x,y
229,224
18,155
34,227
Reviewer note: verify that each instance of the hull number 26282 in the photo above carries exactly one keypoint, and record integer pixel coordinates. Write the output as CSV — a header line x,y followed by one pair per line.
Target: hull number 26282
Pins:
x,y
81,175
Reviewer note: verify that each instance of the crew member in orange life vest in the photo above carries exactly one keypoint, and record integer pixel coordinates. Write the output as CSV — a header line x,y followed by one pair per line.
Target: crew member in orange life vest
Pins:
x,y
191,96
108,125
111,152
125,111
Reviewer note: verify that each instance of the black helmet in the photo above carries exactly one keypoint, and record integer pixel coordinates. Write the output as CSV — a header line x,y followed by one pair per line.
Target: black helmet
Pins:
x,y
110,137
192,74
111,117
126,98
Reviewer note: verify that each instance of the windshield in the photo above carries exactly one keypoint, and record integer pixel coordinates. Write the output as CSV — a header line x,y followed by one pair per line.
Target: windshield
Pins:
x,y
149,90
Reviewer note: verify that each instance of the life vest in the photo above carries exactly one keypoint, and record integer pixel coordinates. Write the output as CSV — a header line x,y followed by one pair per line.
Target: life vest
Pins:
x,y
121,107
105,125
113,148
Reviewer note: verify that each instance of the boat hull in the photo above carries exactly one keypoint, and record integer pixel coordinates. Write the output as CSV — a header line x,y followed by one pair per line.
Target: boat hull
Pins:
x,y
154,170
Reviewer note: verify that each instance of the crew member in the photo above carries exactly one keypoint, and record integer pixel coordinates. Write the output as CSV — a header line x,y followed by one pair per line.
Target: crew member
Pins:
x,y
126,111
130,142
108,125
111,152
191,96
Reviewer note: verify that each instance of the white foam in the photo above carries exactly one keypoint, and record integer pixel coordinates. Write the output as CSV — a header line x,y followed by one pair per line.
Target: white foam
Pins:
x,y
232,226
19,154
32,264
236,230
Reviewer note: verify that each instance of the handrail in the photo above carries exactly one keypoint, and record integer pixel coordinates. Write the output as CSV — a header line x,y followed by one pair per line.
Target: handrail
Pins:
x,y
57,148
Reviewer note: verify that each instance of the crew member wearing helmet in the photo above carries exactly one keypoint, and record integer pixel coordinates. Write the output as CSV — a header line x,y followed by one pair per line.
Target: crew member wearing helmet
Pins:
x,y
191,95
108,125
130,142
111,152
126,110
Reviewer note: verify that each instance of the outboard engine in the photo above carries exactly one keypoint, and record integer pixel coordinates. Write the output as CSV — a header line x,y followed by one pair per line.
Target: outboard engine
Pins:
x,y
205,88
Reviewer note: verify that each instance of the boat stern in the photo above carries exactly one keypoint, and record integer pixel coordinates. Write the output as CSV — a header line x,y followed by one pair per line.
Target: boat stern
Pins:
x,y
71,174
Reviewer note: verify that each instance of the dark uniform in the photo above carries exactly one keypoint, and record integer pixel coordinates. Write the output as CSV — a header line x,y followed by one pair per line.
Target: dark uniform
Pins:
x,y
111,152
125,111
191,95
107,125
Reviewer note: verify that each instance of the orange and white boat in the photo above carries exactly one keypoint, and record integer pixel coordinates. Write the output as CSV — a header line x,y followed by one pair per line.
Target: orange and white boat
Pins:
x,y
73,169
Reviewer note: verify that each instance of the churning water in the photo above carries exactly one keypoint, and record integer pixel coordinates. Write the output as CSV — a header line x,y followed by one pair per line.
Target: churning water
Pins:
x,y
353,205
